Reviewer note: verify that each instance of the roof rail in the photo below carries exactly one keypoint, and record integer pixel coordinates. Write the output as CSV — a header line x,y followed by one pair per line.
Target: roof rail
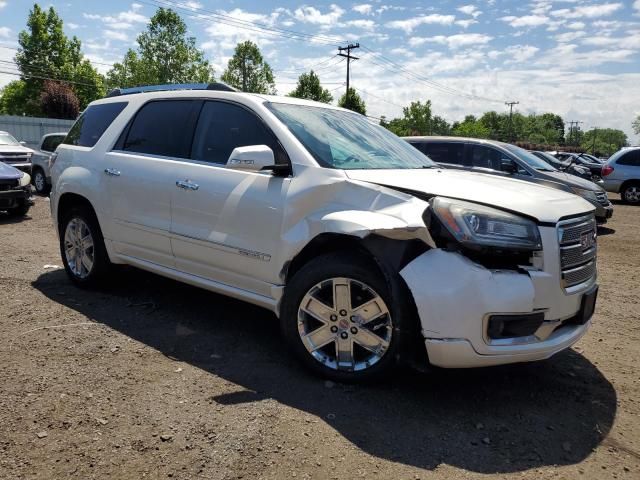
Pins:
x,y
116,92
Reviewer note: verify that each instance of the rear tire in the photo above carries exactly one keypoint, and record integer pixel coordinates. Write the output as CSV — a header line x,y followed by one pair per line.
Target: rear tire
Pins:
x,y
630,193
82,248
40,182
352,341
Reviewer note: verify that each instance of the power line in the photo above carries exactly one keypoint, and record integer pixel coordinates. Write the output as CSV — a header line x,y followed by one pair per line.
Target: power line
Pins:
x,y
17,74
511,104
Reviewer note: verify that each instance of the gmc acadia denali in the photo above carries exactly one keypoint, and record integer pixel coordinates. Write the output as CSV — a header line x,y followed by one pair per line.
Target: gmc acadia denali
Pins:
x,y
367,251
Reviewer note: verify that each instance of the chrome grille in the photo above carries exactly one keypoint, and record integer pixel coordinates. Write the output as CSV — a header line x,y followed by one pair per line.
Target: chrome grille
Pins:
x,y
578,250
602,198
8,157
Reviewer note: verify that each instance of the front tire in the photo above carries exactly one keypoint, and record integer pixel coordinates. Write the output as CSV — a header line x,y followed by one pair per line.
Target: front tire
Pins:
x,y
344,319
631,193
82,248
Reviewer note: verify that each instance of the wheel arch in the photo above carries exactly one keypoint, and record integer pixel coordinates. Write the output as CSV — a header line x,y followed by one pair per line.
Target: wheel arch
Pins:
x,y
626,183
70,200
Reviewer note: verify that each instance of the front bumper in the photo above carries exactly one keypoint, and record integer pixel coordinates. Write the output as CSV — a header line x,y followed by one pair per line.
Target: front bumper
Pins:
x,y
603,212
454,297
14,198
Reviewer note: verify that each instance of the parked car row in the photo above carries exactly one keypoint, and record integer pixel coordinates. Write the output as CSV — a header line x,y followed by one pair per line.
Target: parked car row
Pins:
x,y
506,160
368,251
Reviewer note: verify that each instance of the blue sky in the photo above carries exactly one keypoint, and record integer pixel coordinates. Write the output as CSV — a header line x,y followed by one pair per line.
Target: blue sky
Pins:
x,y
577,58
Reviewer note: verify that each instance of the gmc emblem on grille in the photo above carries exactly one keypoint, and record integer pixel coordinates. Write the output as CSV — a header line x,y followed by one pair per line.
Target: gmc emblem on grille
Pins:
x,y
588,240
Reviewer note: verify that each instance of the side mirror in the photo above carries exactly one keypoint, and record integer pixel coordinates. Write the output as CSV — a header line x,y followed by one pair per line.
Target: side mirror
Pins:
x,y
254,158
507,166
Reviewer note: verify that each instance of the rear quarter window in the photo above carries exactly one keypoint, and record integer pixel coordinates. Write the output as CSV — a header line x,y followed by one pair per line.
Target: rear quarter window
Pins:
x,y
631,158
92,124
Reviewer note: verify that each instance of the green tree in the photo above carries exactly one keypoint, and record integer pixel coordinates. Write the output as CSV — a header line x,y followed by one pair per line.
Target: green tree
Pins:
x,y
470,127
496,123
636,125
603,141
309,87
45,51
248,71
352,101
13,98
165,54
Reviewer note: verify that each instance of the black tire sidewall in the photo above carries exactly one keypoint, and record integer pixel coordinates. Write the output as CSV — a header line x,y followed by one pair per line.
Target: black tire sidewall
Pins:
x,y
356,268
623,195
101,263
45,189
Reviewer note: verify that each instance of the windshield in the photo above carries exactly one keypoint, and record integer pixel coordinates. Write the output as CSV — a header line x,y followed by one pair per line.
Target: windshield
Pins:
x,y
530,159
550,159
6,139
346,140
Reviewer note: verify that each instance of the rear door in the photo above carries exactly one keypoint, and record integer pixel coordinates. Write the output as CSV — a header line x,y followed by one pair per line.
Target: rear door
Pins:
x,y
141,172
226,224
447,154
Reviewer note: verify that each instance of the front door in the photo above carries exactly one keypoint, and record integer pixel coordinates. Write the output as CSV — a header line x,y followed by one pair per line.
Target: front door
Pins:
x,y
227,224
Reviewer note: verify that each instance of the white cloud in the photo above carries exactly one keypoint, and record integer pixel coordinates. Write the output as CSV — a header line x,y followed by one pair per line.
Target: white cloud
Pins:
x,y
122,20
470,10
191,5
525,21
521,53
3,4
314,16
366,8
5,32
466,23
568,56
72,26
577,25
410,24
116,35
588,11
568,36
636,5
361,23
453,41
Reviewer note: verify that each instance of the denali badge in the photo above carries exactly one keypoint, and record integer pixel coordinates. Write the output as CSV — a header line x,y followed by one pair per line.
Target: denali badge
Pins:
x,y
587,240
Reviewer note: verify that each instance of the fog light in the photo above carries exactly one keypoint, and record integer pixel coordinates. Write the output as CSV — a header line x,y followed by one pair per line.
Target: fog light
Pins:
x,y
510,326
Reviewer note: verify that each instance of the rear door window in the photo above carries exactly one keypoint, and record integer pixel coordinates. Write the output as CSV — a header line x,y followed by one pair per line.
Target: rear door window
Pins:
x,y
486,157
223,126
92,124
631,158
441,152
163,127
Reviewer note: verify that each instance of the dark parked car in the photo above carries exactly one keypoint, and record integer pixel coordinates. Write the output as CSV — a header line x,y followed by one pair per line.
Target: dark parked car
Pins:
x,y
583,160
497,158
15,190
568,167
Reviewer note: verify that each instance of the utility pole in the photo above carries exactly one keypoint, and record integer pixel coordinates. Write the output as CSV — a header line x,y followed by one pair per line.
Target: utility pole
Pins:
x,y
349,57
511,104
573,132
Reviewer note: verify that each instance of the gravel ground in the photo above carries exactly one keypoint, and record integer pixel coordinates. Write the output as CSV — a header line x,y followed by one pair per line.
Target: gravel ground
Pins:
x,y
156,379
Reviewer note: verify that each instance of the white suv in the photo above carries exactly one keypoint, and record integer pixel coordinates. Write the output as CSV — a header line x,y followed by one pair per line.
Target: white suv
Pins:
x,y
361,245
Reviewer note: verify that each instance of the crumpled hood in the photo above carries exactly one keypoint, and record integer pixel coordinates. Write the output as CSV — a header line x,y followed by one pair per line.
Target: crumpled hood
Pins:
x,y
542,203
7,172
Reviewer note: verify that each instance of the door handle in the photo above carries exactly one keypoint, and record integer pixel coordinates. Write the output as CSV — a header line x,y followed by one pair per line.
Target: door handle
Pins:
x,y
187,185
112,172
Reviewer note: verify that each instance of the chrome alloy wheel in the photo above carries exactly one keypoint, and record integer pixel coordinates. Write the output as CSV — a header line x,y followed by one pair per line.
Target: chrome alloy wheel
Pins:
x,y
344,324
632,194
39,181
78,247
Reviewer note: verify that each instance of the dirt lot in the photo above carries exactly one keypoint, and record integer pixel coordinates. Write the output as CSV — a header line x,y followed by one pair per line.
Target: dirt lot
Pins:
x,y
156,379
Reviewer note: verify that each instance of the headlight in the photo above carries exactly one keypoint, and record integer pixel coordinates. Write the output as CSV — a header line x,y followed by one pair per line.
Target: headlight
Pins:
x,y
476,226
25,180
586,194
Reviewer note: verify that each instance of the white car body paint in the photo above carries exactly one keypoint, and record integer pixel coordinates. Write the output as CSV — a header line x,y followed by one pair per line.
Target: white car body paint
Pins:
x,y
239,230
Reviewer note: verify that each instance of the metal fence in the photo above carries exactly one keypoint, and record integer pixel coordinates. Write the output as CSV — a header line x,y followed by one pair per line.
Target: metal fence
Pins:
x,y
31,129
